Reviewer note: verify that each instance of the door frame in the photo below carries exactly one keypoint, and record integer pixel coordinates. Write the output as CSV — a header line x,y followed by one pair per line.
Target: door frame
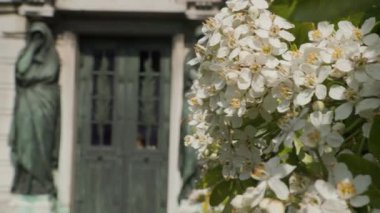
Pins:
x,y
70,27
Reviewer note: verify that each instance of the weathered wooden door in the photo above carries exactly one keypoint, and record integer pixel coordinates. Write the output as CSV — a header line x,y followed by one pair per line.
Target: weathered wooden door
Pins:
x,y
123,126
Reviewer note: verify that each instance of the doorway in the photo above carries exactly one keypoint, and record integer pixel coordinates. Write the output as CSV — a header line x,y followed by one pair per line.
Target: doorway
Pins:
x,y
123,106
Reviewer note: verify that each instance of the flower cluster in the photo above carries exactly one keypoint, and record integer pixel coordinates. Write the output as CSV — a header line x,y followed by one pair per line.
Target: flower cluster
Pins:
x,y
259,102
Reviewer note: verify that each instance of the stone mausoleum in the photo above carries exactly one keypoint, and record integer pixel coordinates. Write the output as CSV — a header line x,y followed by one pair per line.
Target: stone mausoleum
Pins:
x,y
121,83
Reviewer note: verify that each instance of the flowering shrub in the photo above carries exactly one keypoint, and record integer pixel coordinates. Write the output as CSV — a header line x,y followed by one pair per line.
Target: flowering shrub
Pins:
x,y
281,127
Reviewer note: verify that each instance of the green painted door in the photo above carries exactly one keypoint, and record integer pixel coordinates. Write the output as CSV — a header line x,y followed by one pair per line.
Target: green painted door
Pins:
x,y
123,126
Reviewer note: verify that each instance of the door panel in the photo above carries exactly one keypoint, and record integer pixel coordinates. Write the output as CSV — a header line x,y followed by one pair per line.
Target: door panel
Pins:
x,y
123,120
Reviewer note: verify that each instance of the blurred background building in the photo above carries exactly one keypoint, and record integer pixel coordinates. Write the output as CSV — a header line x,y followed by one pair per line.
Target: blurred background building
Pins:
x,y
122,64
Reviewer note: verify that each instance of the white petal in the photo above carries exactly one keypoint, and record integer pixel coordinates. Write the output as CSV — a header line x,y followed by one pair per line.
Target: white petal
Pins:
x,y
237,202
361,183
223,52
343,111
321,91
326,56
326,190
371,39
283,106
334,139
271,62
272,206
215,39
368,25
341,172
241,30
337,92
193,62
286,35
265,21
283,170
304,97
319,118
373,70
334,206
260,4
359,201
244,80
234,53
279,188
275,42
323,73
259,193
367,104
258,83
325,28
346,27
262,33
282,23
344,65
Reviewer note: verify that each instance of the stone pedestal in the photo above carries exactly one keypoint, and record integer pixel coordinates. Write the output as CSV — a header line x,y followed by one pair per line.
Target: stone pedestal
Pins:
x,y
32,204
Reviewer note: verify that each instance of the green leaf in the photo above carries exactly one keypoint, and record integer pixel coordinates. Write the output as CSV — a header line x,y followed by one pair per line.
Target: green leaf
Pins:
x,y
300,31
228,206
374,196
358,165
220,192
374,138
283,8
211,178
330,10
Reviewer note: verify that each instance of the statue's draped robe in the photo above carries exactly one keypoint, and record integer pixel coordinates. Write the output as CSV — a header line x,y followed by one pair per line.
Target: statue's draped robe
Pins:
x,y
34,137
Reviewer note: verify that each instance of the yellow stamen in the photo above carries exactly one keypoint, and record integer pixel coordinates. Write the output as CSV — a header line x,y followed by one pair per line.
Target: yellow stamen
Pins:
x,y
314,137
259,172
357,34
235,103
316,34
267,50
346,189
312,58
338,53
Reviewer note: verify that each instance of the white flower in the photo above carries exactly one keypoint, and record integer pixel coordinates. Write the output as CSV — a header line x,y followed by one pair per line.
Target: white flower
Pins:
x,y
352,95
313,80
270,174
274,29
284,92
288,130
323,31
348,31
346,187
270,205
260,4
249,199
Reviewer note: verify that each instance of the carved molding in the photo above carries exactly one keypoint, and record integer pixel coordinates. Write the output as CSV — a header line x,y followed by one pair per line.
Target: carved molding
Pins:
x,y
201,9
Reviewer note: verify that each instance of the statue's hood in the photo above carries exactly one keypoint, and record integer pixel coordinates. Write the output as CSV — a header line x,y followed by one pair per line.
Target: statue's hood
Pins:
x,y
40,27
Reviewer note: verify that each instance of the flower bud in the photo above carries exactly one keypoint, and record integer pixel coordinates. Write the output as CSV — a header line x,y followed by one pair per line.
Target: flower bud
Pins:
x,y
339,127
318,106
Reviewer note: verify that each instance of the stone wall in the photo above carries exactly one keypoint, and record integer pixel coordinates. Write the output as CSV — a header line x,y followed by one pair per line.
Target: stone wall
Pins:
x,y
11,41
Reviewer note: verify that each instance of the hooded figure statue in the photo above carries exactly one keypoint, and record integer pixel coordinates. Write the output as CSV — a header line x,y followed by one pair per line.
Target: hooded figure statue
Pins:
x,y
34,138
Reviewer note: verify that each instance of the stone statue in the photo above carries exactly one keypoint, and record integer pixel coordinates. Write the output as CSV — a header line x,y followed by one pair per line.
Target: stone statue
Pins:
x,y
34,138
189,167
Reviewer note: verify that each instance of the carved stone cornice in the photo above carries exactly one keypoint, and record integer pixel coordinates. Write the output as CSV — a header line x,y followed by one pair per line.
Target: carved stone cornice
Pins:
x,y
201,9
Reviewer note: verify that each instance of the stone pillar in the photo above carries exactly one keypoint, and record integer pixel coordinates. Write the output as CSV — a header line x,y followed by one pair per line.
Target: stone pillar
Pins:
x,y
67,49
174,177
12,33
